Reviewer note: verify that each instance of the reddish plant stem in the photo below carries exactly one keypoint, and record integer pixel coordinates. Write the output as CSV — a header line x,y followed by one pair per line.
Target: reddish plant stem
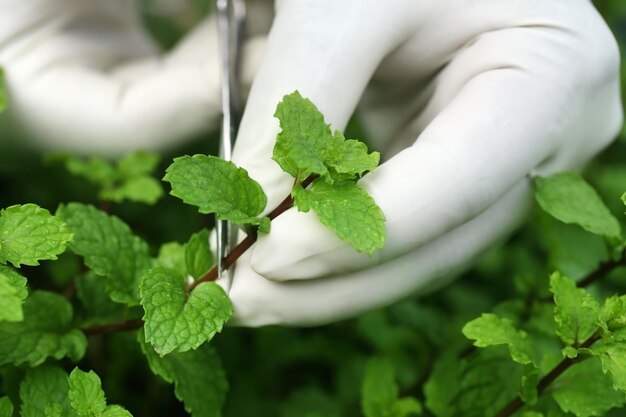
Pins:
x,y
548,379
230,259
249,240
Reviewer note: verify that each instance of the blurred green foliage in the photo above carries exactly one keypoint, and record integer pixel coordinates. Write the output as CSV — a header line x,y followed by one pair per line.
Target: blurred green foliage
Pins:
x,y
316,372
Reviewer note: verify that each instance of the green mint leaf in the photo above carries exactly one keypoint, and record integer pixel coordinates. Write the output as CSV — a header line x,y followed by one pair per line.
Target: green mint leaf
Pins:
x,y
304,140
379,392
612,314
6,407
172,256
29,234
137,164
199,380
585,391
217,186
45,332
43,393
576,311
348,211
85,393
4,99
13,292
490,329
87,398
177,321
350,159
109,248
96,170
198,256
143,189
570,199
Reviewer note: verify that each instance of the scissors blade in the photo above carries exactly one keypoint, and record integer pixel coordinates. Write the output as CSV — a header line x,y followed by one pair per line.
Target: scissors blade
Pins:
x,y
230,21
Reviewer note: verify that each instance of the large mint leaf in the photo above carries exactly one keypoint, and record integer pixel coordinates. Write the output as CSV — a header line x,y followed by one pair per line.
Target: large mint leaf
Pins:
x,y
175,320
199,380
13,292
490,329
43,390
348,211
576,310
109,248
379,393
45,332
217,186
198,256
567,197
303,143
29,234
585,391
87,398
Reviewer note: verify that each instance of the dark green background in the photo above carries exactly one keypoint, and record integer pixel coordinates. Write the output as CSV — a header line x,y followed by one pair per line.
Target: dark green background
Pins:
x,y
316,371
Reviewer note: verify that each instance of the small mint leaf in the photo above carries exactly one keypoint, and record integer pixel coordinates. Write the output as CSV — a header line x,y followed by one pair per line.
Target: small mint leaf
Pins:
x,y
576,311
142,189
13,292
137,163
87,398
304,140
347,210
85,393
176,321
45,332
198,256
570,199
490,330
109,248
217,186
350,159
96,170
199,380
29,234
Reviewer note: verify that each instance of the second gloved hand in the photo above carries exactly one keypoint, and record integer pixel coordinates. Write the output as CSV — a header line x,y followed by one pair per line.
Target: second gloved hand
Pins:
x,y
464,102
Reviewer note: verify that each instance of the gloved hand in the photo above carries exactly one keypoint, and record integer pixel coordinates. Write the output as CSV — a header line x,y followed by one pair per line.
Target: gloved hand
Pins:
x,y
85,75
465,100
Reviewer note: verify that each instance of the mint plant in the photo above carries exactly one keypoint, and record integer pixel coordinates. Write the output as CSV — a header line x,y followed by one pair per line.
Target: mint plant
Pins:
x,y
88,300
170,297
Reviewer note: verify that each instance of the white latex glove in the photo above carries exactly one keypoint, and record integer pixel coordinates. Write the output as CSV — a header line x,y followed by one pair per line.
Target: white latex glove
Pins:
x,y
84,75
465,100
